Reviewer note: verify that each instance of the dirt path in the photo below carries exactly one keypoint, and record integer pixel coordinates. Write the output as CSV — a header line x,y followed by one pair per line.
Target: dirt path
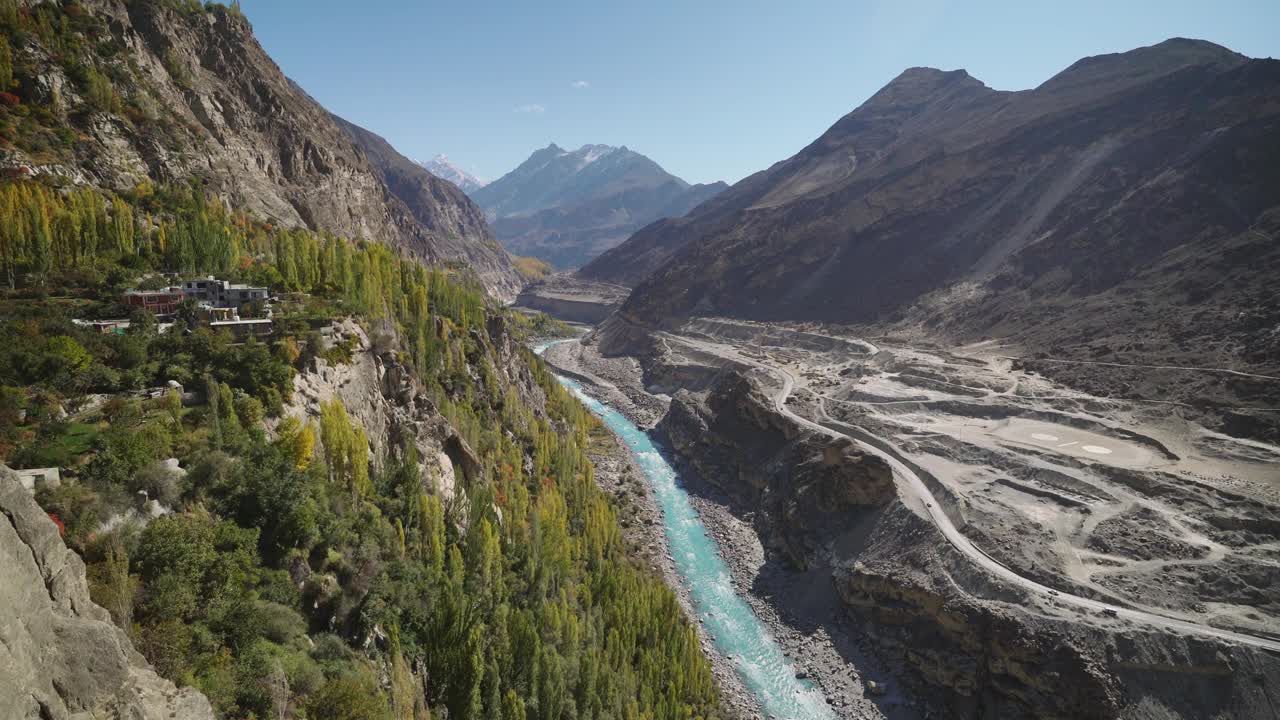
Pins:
x,y
926,503
1143,367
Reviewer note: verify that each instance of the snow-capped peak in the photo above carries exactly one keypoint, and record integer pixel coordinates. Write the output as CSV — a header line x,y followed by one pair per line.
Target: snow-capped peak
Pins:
x,y
592,153
445,169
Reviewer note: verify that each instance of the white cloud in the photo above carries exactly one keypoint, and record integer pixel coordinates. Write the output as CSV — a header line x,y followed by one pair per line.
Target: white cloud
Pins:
x,y
530,109
580,85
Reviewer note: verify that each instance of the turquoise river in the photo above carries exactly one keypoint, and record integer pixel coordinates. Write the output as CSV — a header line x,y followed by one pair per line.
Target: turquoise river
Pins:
x,y
737,632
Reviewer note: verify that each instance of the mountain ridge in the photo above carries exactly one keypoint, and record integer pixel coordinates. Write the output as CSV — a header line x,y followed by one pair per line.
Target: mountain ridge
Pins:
x,y
565,206
454,221
445,169
945,206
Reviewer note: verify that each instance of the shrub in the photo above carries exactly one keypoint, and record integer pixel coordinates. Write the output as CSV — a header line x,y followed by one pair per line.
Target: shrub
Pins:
x,y
160,482
77,507
280,624
167,646
177,69
348,698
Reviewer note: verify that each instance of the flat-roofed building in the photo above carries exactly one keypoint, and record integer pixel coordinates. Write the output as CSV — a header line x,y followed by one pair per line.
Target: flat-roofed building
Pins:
x,y
222,293
105,327
159,302
211,313
241,329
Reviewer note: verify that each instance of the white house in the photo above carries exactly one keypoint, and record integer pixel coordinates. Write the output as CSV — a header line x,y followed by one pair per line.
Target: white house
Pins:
x,y
39,477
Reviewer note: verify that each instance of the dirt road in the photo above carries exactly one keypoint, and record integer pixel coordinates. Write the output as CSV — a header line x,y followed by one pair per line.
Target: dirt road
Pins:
x,y
911,482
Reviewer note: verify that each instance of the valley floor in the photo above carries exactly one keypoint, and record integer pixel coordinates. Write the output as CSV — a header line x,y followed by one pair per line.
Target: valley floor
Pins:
x,y
1117,515
1108,510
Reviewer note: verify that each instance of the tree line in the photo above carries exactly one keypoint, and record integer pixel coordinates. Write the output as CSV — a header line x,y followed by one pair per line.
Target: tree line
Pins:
x,y
302,574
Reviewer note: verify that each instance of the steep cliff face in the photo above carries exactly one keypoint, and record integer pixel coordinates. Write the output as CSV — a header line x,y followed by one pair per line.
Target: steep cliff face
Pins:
x,y
61,658
191,94
807,486
380,394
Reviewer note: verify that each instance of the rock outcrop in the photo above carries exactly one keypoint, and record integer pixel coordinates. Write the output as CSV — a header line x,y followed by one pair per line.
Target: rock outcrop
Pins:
x,y
61,658
380,396
806,485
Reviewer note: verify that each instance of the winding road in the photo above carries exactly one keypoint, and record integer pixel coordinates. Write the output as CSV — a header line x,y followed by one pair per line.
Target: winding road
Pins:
x,y
912,483
1226,371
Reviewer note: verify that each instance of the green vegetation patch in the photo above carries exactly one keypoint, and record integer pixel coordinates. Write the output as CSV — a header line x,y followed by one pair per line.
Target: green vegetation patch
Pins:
x,y
298,573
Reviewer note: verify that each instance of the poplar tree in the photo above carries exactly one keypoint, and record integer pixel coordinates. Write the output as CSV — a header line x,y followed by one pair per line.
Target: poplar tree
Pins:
x,y
6,64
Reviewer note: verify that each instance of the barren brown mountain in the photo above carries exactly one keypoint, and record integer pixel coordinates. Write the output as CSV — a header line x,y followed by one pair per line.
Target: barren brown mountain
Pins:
x,y
1124,211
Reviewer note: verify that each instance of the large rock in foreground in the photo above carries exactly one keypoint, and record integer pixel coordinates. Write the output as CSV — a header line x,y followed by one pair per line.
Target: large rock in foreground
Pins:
x,y
60,655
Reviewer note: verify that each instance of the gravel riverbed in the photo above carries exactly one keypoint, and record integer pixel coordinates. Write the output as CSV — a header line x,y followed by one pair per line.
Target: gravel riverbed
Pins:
x,y
799,609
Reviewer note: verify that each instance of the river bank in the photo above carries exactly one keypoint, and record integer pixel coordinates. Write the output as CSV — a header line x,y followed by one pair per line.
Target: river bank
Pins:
x,y
618,473
616,381
800,611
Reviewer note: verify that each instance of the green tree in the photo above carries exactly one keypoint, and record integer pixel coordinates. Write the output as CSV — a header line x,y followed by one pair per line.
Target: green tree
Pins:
x,y
100,93
111,585
297,441
9,14
173,406
213,396
348,698
249,410
6,64
512,706
69,355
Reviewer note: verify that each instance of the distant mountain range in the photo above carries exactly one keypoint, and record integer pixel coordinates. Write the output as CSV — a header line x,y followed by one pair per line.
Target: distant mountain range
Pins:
x,y
445,169
454,221
567,207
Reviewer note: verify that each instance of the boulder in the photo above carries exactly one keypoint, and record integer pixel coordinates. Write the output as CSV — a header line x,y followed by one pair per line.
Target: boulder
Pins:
x,y
61,658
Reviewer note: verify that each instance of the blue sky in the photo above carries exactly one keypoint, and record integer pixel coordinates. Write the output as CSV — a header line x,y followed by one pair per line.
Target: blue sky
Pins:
x,y
710,89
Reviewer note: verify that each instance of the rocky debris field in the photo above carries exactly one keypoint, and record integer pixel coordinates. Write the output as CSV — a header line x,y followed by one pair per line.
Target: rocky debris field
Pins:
x,y
1118,502
1101,497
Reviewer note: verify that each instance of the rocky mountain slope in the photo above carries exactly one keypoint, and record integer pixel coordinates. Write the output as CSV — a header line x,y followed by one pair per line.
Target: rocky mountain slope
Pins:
x,y
60,654
566,207
445,169
150,90
1130,195
456,224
